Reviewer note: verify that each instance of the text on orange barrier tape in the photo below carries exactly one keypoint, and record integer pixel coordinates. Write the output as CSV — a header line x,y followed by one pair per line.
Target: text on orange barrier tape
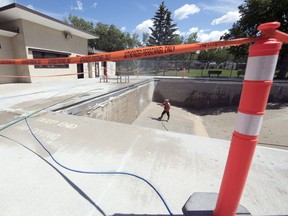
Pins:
x,y
146,52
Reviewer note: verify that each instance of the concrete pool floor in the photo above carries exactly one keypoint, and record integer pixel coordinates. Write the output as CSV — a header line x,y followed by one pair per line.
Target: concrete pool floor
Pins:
x,y
218,123
176,162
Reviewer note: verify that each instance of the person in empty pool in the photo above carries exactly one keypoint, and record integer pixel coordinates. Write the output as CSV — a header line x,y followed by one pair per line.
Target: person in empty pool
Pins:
x,y
166,110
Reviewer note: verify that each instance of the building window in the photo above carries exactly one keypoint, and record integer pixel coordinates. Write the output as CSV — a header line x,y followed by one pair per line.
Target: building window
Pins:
x,y
49,54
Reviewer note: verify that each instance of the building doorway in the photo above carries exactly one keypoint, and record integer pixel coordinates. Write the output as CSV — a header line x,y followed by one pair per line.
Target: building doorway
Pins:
x,y
80,71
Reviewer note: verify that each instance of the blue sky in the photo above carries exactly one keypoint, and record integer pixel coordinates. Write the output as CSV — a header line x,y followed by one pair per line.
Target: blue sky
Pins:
x,y
209,18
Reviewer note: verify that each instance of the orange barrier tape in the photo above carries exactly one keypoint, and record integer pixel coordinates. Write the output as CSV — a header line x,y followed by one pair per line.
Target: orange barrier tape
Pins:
x,y
146,52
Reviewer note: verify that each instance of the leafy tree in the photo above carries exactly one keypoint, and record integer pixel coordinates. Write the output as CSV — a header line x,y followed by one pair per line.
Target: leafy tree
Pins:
x,y
218,55
145,38
111,38
207,56
192,38
163,30
253,13
132,40
79,23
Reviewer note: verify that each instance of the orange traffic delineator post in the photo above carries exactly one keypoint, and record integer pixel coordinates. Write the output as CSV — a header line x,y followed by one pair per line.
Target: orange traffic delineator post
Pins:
x,y
258,78
262,60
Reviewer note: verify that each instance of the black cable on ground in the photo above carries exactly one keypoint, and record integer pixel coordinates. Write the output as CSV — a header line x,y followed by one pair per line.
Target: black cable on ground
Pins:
x,y
164,126
73,185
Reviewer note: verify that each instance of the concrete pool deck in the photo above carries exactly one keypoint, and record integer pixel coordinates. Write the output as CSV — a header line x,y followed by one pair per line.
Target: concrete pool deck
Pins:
x,y
177,163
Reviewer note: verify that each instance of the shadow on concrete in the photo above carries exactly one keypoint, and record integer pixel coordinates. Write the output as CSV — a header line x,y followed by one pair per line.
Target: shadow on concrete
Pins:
x,y
276,105
157,119
220,110
69,181
211,111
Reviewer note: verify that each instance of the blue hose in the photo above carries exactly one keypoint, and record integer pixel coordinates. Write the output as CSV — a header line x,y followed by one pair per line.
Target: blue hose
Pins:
x,y
98,172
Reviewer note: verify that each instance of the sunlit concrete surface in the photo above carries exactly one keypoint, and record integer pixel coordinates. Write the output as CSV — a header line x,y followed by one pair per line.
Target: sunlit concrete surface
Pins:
x,y
25,98
177,164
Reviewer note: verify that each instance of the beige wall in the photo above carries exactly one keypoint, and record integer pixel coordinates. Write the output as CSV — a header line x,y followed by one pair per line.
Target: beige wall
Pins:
x,y
48,38
36,36
18,45
41,37
6,52
18,51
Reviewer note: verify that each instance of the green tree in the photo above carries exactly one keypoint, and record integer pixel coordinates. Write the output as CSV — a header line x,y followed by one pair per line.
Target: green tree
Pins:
x,y
207,56
163,30
79,23
253,13
132,40
145,38
111,38
192,38
218,55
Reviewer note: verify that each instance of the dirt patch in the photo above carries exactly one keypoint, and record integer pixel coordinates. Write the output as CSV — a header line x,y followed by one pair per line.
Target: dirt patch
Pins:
x,y
220,123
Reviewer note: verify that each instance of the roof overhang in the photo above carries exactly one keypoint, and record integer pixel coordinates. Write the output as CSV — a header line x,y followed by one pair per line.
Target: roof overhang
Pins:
x,y
7,33
15,11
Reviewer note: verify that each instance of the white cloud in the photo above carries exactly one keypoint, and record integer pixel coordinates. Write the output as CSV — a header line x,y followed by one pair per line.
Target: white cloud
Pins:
x,y
185,11
230,17
187,33
123,28
31,7
79,6
5,2
144,27
204,35
222,5
193,30
211,36
94,5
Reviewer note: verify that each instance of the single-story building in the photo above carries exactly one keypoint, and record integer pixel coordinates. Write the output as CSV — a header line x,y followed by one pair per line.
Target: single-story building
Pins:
x,y
28,34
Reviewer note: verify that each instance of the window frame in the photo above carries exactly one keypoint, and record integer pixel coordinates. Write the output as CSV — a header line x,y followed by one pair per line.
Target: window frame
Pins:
x,y
40,53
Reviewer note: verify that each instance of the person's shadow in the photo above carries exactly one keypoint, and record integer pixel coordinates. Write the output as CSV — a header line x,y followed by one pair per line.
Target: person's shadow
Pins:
x,y
155,119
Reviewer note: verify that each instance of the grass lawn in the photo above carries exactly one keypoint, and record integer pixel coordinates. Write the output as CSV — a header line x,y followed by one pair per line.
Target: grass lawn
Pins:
x,y
200,73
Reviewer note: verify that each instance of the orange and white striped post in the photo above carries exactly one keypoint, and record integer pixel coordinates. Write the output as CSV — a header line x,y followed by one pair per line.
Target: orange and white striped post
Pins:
x,y
257,83
183,71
